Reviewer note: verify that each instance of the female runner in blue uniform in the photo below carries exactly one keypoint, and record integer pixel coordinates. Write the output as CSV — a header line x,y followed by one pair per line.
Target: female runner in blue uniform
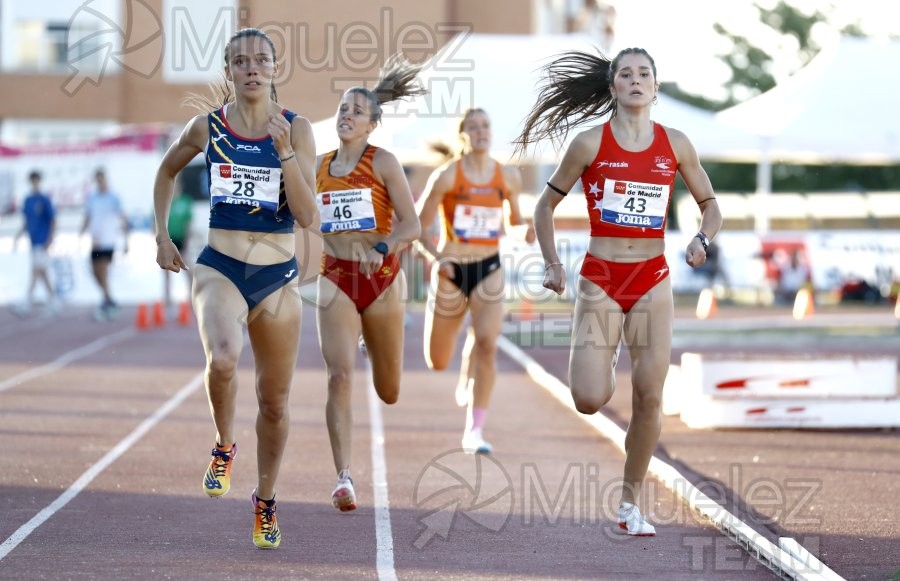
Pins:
x,y
260,158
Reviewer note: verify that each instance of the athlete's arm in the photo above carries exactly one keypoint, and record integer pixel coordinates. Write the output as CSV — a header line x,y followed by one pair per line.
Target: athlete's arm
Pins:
x,y
701,189
516,226
576,160
191,142
406,228
298,171
439,183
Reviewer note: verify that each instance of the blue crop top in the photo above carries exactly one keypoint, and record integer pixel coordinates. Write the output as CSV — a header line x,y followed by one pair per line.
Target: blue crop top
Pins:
x,y
246,188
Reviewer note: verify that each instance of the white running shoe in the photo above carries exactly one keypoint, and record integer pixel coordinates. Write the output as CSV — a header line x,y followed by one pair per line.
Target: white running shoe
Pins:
x,y
631,520
343,497
473,443
362,347
464,391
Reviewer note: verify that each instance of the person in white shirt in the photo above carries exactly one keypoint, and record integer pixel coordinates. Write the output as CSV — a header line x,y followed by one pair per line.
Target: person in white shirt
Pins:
x,y
106,222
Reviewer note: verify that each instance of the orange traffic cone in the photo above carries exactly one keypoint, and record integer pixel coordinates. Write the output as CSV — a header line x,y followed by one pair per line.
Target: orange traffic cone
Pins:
x,y
159,314
804,305
707,305
526,310
142,320
184,314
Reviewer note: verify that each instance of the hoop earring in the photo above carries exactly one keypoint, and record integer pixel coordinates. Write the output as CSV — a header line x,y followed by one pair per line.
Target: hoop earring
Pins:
x,y
655,99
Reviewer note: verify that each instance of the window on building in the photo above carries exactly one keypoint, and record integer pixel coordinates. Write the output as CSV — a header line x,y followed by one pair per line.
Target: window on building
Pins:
x,y
48,46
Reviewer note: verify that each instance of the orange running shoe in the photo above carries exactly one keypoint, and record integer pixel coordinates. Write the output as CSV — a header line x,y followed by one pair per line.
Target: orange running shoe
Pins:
x,y
217,479
266,534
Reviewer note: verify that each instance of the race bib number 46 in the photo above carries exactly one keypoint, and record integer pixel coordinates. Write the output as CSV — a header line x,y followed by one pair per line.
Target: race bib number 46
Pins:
x,y
346,211
634,204
245,185
477,222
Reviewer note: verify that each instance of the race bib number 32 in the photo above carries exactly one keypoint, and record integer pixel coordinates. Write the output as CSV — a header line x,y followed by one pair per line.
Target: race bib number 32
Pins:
x,y
346,211
477,222
245,185
634,204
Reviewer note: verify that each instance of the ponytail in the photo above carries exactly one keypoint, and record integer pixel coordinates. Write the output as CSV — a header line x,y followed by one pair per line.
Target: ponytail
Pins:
x,y
397,79
577,86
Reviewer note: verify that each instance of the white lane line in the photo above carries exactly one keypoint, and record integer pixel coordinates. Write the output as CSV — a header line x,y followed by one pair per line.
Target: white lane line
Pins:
x,y
779,559
384,540
29,527
66,358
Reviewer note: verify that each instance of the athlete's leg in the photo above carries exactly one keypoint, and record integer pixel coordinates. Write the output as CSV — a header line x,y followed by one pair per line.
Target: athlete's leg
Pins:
x,y
597,329
445,311
339,327
221,315
382,329
486,306
648,334
274,328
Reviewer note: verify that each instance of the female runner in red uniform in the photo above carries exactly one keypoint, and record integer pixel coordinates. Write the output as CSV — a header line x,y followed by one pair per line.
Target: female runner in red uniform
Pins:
x,y
627,168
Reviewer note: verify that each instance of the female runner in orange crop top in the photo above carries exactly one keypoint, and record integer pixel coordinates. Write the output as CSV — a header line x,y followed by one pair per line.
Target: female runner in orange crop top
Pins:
x,y
361,289
627,167
477,197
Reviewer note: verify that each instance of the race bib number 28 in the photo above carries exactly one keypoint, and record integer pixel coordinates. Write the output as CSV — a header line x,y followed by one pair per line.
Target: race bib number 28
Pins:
x,y
245,185
346,211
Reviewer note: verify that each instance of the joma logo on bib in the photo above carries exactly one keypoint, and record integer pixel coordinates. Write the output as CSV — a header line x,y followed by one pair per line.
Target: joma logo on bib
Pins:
x,y
341,226
633,220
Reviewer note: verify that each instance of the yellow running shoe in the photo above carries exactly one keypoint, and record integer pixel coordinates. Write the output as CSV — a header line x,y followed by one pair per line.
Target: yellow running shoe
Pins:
x,y
217,479
266,534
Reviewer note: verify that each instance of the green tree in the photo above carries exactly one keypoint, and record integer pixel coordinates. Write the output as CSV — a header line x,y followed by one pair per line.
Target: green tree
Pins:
x,y
750,65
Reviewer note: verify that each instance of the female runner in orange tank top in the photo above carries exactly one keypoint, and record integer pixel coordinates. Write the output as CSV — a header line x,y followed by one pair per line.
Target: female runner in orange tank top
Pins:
x,y
477,197
366,215
628,172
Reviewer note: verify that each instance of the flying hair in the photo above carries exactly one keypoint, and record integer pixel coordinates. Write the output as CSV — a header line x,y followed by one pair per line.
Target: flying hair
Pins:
x,y
397,79
575,91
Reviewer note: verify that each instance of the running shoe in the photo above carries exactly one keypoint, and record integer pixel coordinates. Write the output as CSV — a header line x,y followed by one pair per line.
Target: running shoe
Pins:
x,y
464,392
266,534
631,520
362,347
343,497
473,443
217,479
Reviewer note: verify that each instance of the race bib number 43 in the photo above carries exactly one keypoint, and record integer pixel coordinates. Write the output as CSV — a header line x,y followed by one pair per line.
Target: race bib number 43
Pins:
x,y
634,204
346,211
245,185
477,222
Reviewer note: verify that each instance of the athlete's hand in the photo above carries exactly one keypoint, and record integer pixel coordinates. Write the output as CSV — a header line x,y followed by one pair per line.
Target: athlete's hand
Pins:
x,y
444,268
555,278
280,130
371,263
695,255
168,257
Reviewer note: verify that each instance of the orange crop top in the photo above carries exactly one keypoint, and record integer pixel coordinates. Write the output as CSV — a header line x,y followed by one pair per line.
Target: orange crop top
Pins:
x,y
473,213
356,202
628,192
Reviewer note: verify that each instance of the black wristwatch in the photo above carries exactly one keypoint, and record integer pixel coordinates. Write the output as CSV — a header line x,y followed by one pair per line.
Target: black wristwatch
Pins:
x,y
704,239
382,247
